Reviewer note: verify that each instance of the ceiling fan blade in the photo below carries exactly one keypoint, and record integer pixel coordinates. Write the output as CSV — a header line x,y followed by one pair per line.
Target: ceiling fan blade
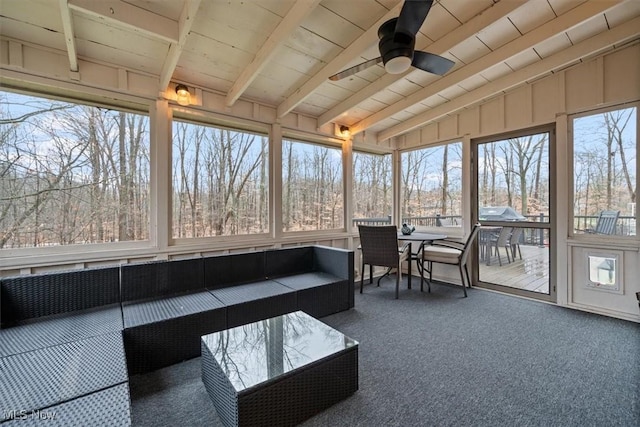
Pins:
x,y
431,63
412,15
356,69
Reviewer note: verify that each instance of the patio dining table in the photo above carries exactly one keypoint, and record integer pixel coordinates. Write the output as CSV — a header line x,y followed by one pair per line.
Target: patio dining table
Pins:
x,y
424,239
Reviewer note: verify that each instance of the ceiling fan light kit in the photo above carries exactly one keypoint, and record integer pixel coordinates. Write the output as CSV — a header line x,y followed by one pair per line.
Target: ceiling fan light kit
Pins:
x,y
397,65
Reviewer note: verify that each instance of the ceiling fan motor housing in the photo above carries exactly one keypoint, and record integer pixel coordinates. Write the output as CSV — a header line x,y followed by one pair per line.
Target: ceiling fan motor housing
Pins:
x,y
394,45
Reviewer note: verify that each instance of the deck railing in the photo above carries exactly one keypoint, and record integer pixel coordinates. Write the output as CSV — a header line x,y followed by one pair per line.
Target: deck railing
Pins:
x,y
626,225
372,221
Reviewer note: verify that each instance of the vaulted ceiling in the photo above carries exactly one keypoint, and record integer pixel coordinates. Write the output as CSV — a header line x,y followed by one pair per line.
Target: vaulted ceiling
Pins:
x,y
281,52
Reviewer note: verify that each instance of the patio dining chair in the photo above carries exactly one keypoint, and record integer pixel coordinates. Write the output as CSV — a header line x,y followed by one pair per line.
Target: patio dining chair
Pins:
x,y
448,252
514,242
379,246
497,241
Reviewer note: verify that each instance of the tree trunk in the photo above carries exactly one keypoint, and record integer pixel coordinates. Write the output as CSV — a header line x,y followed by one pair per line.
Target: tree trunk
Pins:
x,y
122,187
445,179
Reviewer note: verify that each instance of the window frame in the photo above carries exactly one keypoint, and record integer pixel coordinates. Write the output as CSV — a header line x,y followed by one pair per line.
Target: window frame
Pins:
x,y
356,150
451,231
331,143
198,119
586,237
92,251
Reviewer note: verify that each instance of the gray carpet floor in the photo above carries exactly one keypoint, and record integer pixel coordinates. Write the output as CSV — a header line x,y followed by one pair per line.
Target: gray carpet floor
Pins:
x,y
440,359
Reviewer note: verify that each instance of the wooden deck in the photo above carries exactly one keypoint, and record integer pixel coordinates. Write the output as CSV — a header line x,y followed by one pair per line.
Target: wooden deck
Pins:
x,y
530,273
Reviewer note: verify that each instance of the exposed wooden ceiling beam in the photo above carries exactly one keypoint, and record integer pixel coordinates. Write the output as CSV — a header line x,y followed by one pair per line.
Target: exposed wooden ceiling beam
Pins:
x,y
354,50
298,12
560,24
589,47
69,36
130,16
187,16
453,38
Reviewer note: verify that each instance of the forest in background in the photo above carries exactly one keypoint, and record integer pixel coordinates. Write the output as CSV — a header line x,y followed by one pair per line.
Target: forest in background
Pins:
x,y
76,174
71,173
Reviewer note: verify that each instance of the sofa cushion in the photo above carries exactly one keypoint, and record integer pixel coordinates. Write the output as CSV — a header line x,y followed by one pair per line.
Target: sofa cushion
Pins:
x,y
105,407
170,307
161,278
30,296
256,301
49,376
226,270
284,262
165,331
59,329
308,280
250,292
319,294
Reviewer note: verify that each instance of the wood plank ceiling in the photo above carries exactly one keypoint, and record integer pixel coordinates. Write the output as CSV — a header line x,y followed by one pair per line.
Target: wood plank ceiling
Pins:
x,y
281,52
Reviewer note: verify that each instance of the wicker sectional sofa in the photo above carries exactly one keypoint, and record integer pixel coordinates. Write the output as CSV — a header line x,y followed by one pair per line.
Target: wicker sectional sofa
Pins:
x,y
61,340
76,336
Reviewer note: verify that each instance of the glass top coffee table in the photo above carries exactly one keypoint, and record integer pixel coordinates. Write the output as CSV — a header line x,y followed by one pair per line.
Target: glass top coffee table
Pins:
x,y
278,371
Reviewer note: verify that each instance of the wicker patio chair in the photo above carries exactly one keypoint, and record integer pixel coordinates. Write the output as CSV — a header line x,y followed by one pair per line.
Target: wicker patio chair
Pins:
x,y
379,245
448,252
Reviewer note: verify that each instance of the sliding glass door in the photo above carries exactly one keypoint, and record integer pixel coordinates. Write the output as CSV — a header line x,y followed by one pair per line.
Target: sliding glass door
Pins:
x,y
513,199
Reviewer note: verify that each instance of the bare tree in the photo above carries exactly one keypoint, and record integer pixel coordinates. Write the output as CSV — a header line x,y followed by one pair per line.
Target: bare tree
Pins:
x,y
445,179
616,122
371,185
522,153
66,183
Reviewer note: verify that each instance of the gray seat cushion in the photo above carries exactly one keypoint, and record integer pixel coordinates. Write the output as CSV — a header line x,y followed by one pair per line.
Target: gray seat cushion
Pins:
x,y
308,280
171,307
256,301
59,329
109,407
319,294
161,332
53,375
250,292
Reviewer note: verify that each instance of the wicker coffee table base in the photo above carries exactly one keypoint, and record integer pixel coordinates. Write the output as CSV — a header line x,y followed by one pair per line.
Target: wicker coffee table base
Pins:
x,y
286,400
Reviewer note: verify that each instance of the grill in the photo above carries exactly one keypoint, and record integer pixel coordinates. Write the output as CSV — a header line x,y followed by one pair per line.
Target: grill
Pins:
x,y
500,213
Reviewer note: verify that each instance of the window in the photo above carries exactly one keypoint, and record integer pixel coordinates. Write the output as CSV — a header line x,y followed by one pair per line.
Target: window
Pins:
x,y
604,172
372,188
312,196
513,179
220,181
432,186
71,173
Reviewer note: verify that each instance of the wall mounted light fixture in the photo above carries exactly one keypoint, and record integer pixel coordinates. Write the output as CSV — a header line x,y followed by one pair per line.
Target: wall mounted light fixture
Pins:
x,y
344,131
183,97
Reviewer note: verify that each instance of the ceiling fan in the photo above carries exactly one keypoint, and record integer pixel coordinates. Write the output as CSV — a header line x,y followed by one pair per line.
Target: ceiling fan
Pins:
x,y
397,44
